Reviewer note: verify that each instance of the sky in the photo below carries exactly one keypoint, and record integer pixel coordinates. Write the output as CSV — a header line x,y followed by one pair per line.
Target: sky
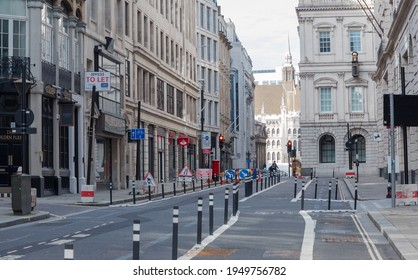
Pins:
x,y
263,28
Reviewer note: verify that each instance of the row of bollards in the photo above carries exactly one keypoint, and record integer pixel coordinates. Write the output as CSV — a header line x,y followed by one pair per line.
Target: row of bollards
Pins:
x,y
316,192
267,181
136,237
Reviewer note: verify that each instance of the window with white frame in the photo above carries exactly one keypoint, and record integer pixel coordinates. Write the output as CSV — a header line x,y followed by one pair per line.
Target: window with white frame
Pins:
x,y
64,43
356,94
12,35
355,40
324,41
325,99
47,31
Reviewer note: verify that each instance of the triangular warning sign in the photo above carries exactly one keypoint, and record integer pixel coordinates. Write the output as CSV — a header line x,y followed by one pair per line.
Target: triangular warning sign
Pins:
x,y
149,180
185,172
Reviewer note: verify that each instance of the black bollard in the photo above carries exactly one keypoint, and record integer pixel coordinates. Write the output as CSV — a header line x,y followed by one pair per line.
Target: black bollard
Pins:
x,y
211,214
149,192
110,192
174,186
355,196
175,233
201,184
329,195
199,220
336,189
193,183
184,187
316,187
68,251
295,189
133,191
302,205
226,206
162,189
136,239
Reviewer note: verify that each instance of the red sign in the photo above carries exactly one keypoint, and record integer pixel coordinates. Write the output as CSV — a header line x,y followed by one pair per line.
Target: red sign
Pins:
x,y
183,141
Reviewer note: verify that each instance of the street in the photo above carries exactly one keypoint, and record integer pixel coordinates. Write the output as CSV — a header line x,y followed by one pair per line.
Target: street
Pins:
x,y
270,225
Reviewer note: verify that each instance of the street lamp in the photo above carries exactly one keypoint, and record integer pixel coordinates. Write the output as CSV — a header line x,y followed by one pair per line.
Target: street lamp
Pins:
x,y
202,121
95,102
22,86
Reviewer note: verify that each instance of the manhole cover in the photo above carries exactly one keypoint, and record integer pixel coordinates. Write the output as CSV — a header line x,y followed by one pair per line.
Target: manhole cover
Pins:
x,y
216,252
337,238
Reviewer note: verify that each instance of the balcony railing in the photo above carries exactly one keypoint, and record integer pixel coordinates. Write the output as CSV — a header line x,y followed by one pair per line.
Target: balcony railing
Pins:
x,y
11,67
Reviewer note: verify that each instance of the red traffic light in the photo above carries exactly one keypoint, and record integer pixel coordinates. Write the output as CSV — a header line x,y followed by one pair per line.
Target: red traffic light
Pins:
x,y
289,146
221,138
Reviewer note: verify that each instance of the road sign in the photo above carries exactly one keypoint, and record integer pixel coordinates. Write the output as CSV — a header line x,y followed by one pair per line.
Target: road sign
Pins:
x,y
137,133
244,173
206,141
149,180
230,174
203,174
185,179
101,80
186,172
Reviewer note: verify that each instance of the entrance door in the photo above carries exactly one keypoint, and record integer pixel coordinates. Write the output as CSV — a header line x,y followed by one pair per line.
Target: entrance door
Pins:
x,y
10,160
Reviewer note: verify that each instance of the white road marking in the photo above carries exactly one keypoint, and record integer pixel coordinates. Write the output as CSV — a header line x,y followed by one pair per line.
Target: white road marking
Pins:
x,y
308,237
371,247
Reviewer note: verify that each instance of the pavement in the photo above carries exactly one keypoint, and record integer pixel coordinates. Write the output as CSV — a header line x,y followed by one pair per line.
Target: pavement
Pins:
x,y
398,224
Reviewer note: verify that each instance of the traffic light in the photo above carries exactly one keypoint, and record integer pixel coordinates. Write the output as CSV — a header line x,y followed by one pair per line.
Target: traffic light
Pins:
x,y
289,147
221,141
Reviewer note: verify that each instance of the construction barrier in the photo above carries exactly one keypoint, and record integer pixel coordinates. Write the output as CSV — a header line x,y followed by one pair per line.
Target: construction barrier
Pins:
x,y
407,194
87,193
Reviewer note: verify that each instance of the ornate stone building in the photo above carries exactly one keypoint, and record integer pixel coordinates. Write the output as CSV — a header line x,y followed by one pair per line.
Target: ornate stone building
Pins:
x,y
337,50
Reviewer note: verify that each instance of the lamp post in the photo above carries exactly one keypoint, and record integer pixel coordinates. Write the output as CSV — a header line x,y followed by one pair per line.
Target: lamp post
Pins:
x,y
22,88
202,122
248,159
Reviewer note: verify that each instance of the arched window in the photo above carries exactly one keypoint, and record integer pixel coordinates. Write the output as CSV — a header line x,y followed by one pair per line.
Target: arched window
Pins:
x,y
327,149
273,144
359,148
268,131
268,143
273,131
289,131
278,131
294,131
268,156
273,156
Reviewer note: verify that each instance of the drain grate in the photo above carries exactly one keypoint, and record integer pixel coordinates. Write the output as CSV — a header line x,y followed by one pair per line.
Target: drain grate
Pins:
x,y
216,252
339,238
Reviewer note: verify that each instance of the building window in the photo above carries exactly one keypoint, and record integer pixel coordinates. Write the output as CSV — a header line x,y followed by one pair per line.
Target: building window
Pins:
x,y
356,99
327,149
64,41
47,133
160,94
170,99
127,78
47,33
325,100
179,104
64,147
324,41
12,37
355,41
359,148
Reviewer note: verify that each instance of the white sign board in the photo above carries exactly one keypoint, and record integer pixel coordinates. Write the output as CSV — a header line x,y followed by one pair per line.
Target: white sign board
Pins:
x,y
206,141
99,79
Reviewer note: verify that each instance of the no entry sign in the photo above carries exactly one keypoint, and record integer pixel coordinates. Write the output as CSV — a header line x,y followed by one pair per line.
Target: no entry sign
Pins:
x,y
99,79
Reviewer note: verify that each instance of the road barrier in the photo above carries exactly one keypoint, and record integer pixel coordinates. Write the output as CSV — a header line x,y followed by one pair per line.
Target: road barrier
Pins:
x,y
407,194
87,193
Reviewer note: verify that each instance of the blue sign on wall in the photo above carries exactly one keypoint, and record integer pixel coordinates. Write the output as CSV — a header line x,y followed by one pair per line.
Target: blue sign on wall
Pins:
x,y
137,133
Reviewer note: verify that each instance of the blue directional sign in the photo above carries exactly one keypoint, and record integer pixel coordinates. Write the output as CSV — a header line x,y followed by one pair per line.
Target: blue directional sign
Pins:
x,y
244,173
230,174
137,133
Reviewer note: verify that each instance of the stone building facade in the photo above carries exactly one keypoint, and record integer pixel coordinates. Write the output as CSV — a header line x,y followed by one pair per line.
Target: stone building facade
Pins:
x,y
338,102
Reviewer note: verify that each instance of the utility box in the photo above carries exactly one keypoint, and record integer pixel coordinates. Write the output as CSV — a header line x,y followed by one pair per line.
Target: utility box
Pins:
x,y
21,194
